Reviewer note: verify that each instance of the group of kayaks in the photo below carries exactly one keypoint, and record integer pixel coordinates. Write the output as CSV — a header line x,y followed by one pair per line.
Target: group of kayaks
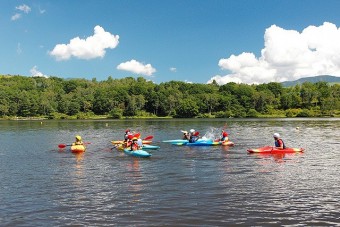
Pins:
x,y
199,142
143,153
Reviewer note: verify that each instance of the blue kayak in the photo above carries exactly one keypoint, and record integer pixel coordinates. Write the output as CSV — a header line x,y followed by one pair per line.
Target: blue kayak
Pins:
x,y
137,153
179,141
205,143
151,147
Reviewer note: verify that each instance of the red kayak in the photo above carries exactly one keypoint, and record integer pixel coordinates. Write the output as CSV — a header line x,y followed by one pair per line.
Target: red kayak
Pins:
x,y
273,150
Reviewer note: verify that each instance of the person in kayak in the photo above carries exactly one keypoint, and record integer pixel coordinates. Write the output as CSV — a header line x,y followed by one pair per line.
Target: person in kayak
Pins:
x,y
126,135
78,141
279,144
134,145
193,136
224,136
185,135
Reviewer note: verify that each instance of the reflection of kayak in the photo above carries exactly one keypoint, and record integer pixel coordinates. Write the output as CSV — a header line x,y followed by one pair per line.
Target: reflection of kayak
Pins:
x,y
273,150
78,148
204,143
121,141
137,153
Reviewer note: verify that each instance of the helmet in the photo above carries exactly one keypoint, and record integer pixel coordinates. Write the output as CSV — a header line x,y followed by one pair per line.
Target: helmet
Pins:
x,y
134,139
78,137
276,135
127,130
192,130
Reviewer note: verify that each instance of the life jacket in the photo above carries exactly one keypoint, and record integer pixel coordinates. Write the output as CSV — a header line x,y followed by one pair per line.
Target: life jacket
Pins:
x,y
224,136
277,144
193,139
134,146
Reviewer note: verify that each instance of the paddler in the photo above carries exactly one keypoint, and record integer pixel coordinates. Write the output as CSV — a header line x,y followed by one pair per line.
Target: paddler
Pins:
x,y
279,144
193,136
224,136
78,141
134,144
185,135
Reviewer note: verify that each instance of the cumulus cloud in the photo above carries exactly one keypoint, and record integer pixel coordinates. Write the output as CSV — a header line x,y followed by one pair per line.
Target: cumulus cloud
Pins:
x,y
16,16
137,67
23,8
35,73
287,55
92,47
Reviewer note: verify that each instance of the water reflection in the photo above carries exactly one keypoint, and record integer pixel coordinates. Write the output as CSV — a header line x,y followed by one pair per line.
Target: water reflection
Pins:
x,y
134,174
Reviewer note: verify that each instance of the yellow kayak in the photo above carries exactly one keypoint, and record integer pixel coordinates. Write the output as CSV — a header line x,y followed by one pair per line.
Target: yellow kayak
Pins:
x,y
78,148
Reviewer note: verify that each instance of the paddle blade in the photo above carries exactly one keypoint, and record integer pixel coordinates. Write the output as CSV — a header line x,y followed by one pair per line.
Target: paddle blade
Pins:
x,y
148,138
62,145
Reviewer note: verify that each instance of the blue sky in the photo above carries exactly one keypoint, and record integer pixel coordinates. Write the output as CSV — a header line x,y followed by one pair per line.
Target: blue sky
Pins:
x,y
244,41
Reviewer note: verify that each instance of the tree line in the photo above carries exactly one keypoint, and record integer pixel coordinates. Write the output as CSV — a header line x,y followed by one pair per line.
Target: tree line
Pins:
x,y
57,98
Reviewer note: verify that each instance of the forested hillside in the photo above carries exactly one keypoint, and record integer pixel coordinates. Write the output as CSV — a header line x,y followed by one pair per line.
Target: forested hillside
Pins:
x,y
57,98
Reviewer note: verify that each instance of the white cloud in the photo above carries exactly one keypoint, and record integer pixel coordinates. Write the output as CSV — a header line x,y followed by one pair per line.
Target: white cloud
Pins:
x,y
19,50
16,16
287,55
137,67
173,69
24,8
92,47
35,73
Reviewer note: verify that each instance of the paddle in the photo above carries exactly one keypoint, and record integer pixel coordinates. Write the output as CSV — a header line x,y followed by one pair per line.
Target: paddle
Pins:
x,y
148,138
62,145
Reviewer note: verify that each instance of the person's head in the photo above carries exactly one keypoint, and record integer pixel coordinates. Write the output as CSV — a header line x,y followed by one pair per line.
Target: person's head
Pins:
x,y
276,136
134,139
192,130
78,138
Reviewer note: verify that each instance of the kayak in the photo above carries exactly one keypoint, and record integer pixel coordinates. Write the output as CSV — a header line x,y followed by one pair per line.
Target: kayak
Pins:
x,y
273,150
179,141
78,148
121,141
137,153
145,146
227,143
204,143
151,147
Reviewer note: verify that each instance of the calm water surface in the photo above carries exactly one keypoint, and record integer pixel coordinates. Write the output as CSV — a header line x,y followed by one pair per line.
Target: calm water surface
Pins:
x,y
41,185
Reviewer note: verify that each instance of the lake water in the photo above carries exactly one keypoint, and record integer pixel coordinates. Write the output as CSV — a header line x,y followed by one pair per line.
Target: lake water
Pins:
x,y
41,185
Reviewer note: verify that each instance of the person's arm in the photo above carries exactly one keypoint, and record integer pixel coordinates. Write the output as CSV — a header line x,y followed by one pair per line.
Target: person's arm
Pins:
x,y
280,144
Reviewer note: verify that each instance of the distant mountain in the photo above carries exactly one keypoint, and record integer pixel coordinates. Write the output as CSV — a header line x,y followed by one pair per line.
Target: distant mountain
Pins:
x,y
314,79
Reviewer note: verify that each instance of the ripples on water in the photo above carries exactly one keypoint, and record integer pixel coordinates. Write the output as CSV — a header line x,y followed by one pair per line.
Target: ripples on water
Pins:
x,y
177,186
